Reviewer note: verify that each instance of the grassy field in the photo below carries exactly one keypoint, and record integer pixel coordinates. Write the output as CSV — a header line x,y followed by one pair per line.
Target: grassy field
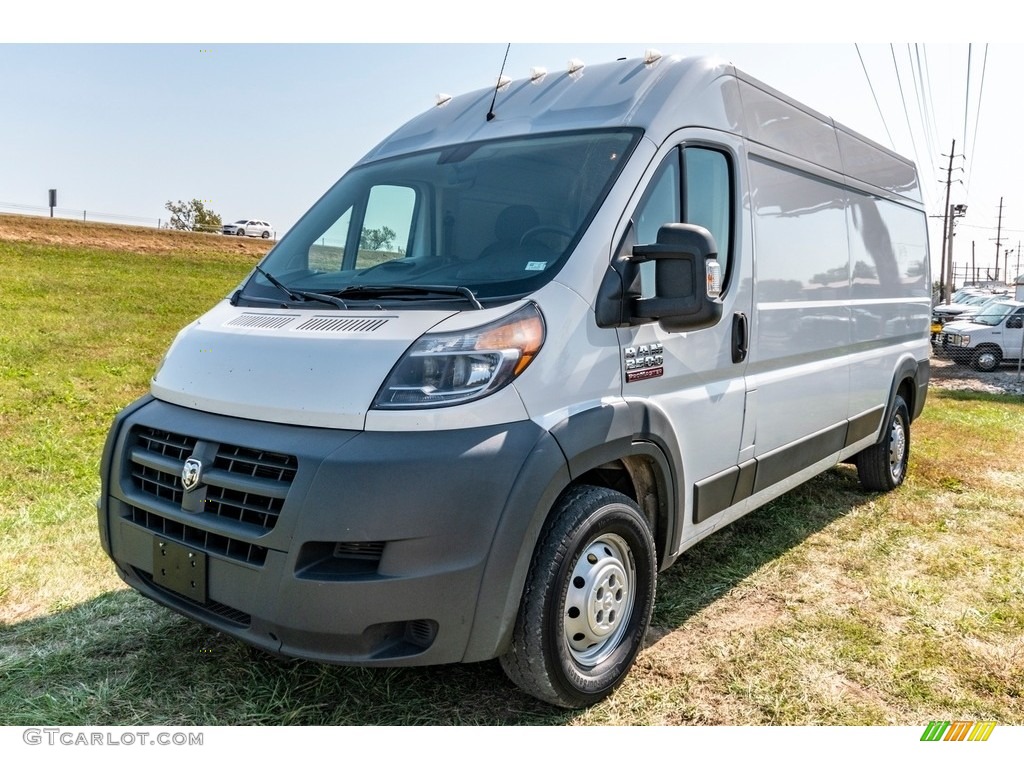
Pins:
x,y
829,606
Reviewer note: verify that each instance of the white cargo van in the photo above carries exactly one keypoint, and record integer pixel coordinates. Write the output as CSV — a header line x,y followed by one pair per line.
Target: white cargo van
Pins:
x,y
537,343
989,338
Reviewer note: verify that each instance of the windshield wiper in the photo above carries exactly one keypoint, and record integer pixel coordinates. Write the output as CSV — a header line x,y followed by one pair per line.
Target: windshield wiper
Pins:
x,y
297,295
376,291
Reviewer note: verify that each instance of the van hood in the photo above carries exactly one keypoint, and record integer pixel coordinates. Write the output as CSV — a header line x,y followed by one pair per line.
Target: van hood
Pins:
x,y
964,326
318,369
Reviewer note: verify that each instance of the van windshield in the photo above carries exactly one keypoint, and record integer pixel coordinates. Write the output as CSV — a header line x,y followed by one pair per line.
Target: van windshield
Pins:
x,y
993,314
496,217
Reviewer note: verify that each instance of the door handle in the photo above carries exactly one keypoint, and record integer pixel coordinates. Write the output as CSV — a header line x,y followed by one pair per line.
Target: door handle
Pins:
x,y
740,337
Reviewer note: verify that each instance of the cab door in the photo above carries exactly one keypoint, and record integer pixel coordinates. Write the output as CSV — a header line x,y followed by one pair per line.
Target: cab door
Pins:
x,y
695,380
1013,335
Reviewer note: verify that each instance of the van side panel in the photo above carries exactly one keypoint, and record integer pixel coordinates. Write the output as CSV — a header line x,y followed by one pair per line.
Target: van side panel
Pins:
x,y
890,293
801,329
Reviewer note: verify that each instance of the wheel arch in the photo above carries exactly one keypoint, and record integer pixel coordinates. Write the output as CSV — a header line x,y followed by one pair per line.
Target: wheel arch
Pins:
x,y
599,446
910,381
622,446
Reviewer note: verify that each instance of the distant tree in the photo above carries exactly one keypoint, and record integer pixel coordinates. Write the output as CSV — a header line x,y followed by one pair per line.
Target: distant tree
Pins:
x,y
192,216
376,239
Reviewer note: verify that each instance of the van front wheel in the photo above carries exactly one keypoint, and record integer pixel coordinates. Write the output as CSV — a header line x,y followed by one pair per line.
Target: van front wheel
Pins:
x,y
587,601
883,466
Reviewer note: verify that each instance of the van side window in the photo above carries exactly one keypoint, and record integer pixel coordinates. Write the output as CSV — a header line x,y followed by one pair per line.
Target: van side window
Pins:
x,y
1017,320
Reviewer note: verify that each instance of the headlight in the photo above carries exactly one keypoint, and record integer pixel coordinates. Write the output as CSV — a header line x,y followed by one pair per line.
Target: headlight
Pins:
x,y
963,341
449,368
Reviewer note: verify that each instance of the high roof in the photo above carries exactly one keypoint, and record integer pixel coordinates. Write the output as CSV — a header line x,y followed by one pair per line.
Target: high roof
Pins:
x,y
628,92
659,96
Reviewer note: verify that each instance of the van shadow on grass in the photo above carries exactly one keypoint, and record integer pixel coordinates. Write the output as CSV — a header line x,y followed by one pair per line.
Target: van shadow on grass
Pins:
x,y
727,557
121,660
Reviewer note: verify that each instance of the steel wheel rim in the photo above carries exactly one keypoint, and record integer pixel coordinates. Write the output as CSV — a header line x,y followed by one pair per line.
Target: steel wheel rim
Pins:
x,y
897,447
599,600
987,360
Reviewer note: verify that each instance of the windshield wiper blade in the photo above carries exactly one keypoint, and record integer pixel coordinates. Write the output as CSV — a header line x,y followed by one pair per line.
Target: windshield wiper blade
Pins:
x,y
297,295
277,284
462,291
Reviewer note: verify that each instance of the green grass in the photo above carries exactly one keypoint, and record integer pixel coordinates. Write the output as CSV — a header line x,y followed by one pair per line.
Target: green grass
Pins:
x,y
828,606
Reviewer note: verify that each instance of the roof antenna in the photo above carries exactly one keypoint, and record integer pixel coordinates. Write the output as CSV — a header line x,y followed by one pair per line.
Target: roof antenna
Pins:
x,y
490,112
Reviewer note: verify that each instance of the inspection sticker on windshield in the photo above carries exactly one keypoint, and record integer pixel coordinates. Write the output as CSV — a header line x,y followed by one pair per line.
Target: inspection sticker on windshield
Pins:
x,y
536,266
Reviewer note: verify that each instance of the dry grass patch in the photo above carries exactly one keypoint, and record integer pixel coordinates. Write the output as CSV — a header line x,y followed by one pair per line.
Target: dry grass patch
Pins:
x,y
122,237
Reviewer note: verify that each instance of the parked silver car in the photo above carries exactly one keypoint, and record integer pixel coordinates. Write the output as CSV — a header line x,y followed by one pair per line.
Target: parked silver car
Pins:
x,y
249,227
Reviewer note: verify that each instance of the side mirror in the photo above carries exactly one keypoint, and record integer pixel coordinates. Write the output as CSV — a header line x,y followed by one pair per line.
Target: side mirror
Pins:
x,y
687,279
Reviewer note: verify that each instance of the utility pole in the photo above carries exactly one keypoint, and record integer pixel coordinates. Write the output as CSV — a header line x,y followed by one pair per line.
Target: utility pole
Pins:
x,y
999,242
944,291
954,212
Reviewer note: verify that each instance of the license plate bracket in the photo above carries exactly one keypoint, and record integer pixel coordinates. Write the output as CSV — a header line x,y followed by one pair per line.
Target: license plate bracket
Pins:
x,y
180,569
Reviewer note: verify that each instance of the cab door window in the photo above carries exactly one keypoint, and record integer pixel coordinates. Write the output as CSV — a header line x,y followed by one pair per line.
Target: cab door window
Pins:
x,y
692,186
707,199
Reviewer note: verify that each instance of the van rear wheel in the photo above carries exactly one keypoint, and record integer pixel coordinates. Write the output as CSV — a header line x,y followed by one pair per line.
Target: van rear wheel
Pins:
x,y
883,466
587,601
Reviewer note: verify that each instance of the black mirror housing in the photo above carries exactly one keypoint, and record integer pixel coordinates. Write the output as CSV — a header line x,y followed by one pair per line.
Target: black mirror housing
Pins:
x,y
681,301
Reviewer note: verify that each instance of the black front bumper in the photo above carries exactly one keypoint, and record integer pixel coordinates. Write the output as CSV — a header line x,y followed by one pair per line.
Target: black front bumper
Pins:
x,y
334,545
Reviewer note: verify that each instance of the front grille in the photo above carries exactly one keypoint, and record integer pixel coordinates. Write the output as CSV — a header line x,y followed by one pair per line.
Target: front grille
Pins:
x,y
214,543
161,476
240,484
254,463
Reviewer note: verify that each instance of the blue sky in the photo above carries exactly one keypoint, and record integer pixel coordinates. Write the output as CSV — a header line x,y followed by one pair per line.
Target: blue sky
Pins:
x,y
122,119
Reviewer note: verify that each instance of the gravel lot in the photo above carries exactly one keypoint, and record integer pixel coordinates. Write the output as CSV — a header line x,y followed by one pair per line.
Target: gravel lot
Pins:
x,y
1003,381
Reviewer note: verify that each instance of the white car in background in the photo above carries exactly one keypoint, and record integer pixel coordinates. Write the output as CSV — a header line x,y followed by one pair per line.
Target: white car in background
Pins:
x,y
249,227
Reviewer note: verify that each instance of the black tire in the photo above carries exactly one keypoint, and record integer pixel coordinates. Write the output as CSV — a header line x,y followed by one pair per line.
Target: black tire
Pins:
x,y
266,234
883,466
240,233
587,601
987,359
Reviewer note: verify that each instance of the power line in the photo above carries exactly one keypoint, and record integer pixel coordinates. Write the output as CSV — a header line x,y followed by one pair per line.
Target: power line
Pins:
x,y
906,112
989,229
875,97
977,116
967,92
931,103
919,89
